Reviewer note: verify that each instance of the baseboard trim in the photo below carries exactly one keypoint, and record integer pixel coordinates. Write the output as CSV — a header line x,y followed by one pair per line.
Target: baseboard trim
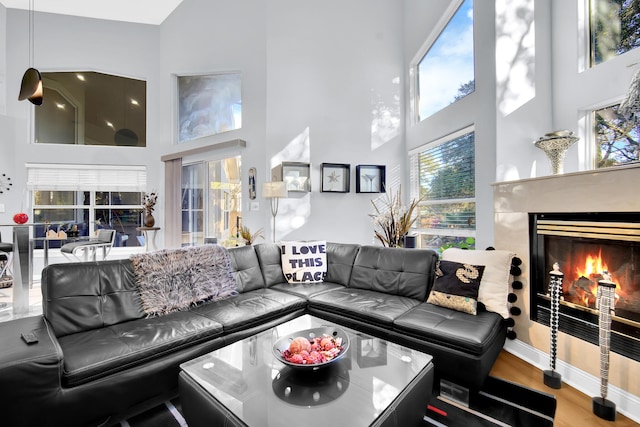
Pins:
x,y
626,403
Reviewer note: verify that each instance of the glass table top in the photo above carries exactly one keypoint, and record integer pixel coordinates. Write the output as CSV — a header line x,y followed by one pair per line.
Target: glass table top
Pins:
x,y
260,390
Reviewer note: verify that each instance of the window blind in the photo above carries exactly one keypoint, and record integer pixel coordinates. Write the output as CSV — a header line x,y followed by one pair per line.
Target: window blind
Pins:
x,y
86,177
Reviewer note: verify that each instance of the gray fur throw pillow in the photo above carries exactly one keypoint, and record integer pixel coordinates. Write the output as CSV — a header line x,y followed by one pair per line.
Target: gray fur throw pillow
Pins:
x,y
176,279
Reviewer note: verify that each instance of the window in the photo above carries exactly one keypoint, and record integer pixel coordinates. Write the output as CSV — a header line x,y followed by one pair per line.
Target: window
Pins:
x,y
446,73
211,202
86,212
443,175
85,198
89,108
615,28
208,105
616,138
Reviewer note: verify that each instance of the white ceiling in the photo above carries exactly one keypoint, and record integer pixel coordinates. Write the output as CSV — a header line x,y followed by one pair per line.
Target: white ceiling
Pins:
x,y
141,11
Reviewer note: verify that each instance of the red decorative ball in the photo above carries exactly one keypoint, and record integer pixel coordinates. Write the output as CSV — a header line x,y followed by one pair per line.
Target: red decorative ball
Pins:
x,y
20,218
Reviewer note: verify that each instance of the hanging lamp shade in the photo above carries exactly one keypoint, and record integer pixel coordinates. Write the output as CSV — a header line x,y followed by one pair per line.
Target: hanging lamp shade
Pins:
x,y
31,87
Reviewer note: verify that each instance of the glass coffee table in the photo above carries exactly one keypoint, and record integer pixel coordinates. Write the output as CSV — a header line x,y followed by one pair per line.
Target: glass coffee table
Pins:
x,y
375,383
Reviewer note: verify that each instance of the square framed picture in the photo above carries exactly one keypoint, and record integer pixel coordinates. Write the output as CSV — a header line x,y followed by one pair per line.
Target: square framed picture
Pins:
x,y
370,178
336,177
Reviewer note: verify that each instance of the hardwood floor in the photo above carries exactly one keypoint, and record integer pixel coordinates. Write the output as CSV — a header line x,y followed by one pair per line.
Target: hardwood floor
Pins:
x,y
573,407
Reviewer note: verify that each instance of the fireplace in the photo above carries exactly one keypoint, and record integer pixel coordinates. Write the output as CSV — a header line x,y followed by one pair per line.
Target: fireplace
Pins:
x,y
585,246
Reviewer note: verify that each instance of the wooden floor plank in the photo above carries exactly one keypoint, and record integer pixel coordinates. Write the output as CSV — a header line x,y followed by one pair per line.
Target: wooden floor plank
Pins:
x,y
574,407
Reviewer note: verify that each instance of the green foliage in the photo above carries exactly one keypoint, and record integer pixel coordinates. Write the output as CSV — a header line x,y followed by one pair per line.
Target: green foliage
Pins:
x,y
468,243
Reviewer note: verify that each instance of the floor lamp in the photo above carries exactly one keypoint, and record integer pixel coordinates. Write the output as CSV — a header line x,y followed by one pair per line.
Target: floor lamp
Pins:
x,y
275,191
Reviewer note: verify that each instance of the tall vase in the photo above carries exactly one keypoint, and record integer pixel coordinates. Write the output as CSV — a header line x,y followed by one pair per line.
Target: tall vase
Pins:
x,y
149,220
555,146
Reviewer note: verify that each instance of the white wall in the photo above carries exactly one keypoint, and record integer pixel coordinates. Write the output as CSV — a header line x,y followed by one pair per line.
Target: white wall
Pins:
x,y
476,108
64,43
331,67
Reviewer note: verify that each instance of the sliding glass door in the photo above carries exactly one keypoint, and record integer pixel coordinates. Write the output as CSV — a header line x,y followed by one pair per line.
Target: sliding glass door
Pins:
x,y
211,202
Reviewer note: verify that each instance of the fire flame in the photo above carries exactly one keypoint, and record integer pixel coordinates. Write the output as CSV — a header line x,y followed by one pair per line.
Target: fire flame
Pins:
x,y
592,265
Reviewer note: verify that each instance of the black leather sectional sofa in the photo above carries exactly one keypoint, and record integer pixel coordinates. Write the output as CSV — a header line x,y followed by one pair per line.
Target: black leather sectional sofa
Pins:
x,y
100,358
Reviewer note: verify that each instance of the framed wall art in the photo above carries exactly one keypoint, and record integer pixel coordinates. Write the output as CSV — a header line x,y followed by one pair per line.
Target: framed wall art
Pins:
x,y
296,175
208,105
370,178
336,177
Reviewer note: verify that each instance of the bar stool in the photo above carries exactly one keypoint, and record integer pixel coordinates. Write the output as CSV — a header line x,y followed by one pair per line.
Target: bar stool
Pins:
x,y
6,256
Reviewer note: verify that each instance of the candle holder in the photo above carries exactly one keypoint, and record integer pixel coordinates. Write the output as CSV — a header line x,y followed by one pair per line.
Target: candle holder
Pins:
x,y
555,146
602,407
551,377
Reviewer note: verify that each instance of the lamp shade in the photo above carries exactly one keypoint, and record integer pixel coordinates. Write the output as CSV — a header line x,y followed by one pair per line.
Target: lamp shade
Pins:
x,y
275,189
31,87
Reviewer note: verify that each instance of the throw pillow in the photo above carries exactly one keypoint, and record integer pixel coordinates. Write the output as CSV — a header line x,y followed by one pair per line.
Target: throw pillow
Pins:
x,y
304,262
176,279
456,286
494,286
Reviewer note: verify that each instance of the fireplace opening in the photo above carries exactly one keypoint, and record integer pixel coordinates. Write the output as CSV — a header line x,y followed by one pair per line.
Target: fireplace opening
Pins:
x,y
586,246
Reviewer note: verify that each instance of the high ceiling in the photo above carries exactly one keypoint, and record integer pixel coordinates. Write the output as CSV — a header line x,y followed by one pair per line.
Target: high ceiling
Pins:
x,y
140,11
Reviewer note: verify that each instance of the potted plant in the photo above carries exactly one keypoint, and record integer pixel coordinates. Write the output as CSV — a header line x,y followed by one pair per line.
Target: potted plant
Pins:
x,y
148,205
392,220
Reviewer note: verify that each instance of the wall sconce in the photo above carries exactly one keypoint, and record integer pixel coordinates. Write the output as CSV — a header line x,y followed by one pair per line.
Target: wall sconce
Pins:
x,y
274,190
31,86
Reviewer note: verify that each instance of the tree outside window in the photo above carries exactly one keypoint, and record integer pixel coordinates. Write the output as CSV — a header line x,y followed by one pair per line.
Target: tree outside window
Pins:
x,y
616,138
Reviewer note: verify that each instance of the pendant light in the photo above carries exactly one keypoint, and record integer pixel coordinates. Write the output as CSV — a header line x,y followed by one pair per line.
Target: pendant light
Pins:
x,y
31,87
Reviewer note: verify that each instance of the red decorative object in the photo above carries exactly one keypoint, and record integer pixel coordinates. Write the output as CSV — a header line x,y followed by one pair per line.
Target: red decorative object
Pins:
x,y
20,218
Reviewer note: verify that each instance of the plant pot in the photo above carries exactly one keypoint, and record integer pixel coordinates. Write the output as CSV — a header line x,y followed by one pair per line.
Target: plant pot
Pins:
x,y
149,220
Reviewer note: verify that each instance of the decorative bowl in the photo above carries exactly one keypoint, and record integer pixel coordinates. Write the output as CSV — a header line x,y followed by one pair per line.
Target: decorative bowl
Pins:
x,y
282,344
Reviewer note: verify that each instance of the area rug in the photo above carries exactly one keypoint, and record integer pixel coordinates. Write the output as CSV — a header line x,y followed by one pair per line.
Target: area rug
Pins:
x,y
169,414
498,403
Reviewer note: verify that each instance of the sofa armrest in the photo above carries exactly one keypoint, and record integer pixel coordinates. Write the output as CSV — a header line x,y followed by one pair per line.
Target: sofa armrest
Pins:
x,y
30,374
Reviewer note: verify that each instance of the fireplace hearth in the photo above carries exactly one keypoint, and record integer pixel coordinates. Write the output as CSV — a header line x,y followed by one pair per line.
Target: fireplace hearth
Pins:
x,y
585,246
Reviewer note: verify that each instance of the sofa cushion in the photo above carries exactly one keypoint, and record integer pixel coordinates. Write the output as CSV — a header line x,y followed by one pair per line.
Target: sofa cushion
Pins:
x,y
340,259
100,352
368,306
270,263
250,308
304,262
246,268
452,329
79,297
394,271
306,290
456,286
495,285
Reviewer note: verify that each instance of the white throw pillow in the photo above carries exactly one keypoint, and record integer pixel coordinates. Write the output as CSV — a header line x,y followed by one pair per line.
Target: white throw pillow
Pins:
x,y
304,262
494,286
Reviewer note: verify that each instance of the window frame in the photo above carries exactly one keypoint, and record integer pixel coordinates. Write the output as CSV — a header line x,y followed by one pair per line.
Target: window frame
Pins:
x,y
414,75
414,178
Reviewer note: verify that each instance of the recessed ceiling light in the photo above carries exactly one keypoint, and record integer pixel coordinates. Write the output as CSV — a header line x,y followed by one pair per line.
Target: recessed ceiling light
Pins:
x,y
134,102
110,124
80,77
60,105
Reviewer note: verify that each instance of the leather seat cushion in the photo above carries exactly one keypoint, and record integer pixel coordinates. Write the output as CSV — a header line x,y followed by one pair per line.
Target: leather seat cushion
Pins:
x,y
307,290
368,306
99,352
450,328
250,308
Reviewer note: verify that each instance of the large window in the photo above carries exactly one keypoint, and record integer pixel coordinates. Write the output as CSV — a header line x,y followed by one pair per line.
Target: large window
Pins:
x,y
86,212
86,198
615,28
616,138
211,202
446,73
89,108
443,175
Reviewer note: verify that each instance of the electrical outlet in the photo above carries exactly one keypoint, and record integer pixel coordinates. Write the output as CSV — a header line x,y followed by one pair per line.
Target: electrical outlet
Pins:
x,y
254,206
1,207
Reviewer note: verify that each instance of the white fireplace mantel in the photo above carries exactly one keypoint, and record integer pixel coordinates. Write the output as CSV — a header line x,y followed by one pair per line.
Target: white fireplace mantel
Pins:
x,y
615,189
